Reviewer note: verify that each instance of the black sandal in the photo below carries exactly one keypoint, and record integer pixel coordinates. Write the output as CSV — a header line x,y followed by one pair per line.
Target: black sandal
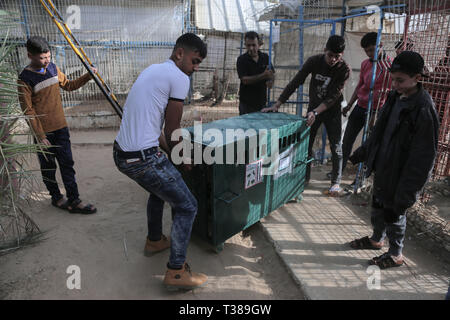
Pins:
x,y
63,206
363,244
385,261
87,209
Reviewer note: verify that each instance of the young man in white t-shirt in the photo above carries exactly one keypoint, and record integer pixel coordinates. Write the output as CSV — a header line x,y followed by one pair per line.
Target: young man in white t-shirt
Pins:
x,y
156,101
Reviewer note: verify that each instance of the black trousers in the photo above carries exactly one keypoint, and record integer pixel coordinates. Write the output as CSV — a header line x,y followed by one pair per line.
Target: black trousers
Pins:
x,y
332,122
355,123
60,152
246,108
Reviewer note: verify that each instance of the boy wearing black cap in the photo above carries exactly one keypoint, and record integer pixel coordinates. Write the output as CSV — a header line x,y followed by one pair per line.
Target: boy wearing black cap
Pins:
x,y
329,72
401,151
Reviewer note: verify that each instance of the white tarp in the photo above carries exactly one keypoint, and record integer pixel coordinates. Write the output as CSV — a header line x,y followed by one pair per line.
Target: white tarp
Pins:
x,y
146,23
232,15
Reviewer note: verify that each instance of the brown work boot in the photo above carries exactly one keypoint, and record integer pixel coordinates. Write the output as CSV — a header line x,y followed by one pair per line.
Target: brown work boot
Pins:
x,y
184,279
152,247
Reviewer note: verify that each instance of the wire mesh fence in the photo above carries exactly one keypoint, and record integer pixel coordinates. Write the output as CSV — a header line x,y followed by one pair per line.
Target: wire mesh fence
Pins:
x,y
294,41
426,30
121,37
124,37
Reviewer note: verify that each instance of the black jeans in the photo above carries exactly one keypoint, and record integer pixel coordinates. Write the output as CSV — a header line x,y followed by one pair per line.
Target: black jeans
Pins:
x,y
355,123
60,151
332,122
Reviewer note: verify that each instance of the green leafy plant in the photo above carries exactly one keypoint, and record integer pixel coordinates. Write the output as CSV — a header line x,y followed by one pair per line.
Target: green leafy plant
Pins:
x,y
17,181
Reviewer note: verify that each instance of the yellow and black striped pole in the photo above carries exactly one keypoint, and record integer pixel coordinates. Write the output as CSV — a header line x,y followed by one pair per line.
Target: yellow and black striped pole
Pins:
x,y
78,49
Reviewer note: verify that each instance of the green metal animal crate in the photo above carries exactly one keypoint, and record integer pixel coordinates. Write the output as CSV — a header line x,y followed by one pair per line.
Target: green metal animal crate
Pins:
x,y
248,179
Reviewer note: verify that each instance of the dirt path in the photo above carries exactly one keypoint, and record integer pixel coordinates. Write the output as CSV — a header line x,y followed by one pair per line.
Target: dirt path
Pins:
x,y
248,267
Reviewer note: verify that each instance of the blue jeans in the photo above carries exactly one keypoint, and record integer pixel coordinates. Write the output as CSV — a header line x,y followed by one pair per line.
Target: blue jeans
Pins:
x,y
60,151
395,231
162,180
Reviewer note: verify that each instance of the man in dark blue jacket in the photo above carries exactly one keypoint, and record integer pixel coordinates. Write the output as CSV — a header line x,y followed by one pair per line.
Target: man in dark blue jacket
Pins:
x,y
401,151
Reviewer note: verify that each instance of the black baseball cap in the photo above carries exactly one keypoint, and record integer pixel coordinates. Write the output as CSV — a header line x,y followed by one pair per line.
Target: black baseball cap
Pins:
x,y
409,62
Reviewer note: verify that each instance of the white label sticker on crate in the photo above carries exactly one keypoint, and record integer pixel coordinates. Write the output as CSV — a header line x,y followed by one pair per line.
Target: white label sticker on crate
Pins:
x,y
285,162
253,173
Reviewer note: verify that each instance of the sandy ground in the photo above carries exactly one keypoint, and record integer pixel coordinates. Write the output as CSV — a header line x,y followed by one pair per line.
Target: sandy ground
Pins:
x,y
108,246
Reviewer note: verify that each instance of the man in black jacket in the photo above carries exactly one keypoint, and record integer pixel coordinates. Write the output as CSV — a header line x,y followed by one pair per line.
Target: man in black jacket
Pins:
x,y
401,151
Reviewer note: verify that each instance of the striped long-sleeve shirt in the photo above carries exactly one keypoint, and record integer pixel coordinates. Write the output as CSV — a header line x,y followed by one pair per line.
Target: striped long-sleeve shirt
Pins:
x,y
40,97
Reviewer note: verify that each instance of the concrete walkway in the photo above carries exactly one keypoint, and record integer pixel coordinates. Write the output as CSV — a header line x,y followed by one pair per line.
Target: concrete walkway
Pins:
x,y
311,238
